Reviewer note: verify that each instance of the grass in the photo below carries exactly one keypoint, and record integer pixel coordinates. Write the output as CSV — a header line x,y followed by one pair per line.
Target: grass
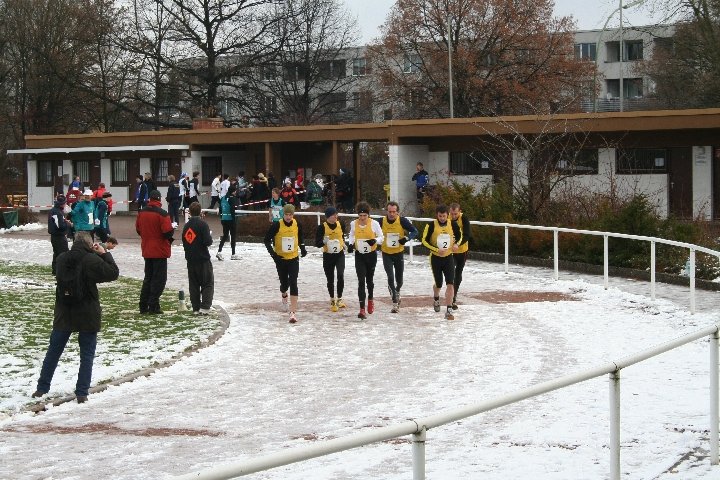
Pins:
x,y
127,342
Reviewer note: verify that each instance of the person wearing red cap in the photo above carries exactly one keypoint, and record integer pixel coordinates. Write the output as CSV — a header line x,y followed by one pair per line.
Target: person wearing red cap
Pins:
x,y
156,234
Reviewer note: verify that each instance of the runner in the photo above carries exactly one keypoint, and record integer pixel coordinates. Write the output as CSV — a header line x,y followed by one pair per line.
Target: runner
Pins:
x,y
282,240
228,220
397,231
275,206
365,235
329,237
439,237
457,217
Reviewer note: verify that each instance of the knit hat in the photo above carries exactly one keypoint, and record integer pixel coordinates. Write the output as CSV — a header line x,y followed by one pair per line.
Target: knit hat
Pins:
x,y
61,200
261,176
106,194
330,211
87,192
155,195
288,208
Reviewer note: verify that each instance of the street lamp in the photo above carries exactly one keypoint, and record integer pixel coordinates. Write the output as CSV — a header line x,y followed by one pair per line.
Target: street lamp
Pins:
x,y
450,74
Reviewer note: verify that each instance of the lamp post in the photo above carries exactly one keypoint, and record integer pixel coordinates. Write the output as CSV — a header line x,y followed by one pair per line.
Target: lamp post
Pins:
x,y
450,74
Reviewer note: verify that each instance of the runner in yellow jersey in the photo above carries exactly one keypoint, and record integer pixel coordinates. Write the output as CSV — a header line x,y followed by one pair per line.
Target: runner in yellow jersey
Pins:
x,y
365,236
440,238
283,240
397,231
329,237
457,217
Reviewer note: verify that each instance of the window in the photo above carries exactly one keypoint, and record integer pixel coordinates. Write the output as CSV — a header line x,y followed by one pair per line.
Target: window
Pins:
x,y
411,63
82,169
333,102
359,67
585,51
612,51
294,72
45,173
268,105
362,100
415,98
641,160
664,45
632,87
387,114
159,168
633,50
471,163
119,173
332,69
210,167
268,72
578,162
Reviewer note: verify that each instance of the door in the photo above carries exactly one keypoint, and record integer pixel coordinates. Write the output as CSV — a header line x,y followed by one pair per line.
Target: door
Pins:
x,y
680,182
133,170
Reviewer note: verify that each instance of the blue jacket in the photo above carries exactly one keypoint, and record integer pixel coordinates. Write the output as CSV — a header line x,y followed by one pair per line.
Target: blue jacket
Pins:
x,y
421,179
82,216
101,214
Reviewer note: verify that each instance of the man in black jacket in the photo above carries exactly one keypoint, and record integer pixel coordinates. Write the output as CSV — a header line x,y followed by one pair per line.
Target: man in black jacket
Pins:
x,y
196,239
58,228
93,265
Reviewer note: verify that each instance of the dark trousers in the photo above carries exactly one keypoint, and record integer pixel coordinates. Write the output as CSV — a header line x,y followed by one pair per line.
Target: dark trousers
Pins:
x,y
101,233
442,268
288,271
202,284
331,263
229,231
59,245
365,267
214,200
394,264
58,340
174,210
153,284
460,259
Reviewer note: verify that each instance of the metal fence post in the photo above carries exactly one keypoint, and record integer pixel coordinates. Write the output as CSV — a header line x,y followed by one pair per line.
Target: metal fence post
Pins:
x,y
418,454
606,262
556,254
507,249
615,425
652,270
714,399
692,280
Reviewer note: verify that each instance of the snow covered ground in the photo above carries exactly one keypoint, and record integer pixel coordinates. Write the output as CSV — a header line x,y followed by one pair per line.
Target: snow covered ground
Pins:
x,y
267,385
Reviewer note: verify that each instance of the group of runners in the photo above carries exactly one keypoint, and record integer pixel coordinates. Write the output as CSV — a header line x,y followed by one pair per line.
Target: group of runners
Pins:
x,y
446,237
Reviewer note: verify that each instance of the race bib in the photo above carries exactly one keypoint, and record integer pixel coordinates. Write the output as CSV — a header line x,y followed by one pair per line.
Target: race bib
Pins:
x,y
392,240
276,214
333,246
90,218
288,244
362,246
444,241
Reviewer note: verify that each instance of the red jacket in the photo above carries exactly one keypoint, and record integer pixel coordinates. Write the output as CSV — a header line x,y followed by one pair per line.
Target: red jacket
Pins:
x,y
155,230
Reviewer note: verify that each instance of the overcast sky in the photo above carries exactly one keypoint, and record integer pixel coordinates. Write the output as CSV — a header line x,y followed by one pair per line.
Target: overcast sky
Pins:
x,y
589,14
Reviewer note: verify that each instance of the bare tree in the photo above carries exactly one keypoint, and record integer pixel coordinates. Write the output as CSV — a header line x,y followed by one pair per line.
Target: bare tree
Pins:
x,y
505,55
308,82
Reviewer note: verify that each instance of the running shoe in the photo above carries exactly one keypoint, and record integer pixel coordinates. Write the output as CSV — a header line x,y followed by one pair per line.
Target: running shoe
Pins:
x,y
219,256
333,305
436,305
395,308
235,257
371,307
449,315
340,304
454,305
293,318
362,314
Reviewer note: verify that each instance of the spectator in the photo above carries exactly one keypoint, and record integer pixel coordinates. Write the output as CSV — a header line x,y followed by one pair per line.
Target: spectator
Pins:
x,y
76,184
243,189
196,239
156,234
421,179
224,185
185,192
288,193
272,183
261,192
98,194
344,191
215,190
79,312
194,188
315,191
102,214
141,192
173,200
82,214
228,218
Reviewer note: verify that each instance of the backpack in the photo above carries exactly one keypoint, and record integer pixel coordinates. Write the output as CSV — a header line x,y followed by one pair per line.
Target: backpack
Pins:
x,y
70,286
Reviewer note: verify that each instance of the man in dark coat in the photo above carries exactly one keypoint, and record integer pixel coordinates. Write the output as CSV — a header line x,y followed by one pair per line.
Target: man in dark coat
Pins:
x,y
94,265
58,228
196,239
156,234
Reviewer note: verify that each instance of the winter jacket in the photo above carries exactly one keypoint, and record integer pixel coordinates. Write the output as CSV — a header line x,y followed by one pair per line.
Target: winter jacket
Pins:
x,y
196,239
227,208
421,179
173,194
82,216
85,315
155,229
56,221
101,215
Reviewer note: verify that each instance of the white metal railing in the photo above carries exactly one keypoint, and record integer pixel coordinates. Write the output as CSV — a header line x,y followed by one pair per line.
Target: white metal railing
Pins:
x,y
693,249
418,428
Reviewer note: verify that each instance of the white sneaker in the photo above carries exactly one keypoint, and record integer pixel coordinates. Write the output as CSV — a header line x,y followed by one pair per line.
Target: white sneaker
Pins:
x,y
219,256
285,305
293,318
174,225
206,311
235,257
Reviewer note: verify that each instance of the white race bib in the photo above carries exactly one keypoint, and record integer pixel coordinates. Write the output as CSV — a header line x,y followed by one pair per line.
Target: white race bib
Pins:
x,y
288,244
362,246
90,218
276,214
392,240
333,246
444,241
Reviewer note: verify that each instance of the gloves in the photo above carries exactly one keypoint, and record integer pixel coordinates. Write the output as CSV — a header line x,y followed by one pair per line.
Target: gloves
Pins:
x,y
403,240
97,221
350,248
371,242
303,251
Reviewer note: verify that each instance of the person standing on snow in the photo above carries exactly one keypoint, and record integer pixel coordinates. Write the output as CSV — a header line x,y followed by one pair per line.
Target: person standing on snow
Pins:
x,y
58,228
196,239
